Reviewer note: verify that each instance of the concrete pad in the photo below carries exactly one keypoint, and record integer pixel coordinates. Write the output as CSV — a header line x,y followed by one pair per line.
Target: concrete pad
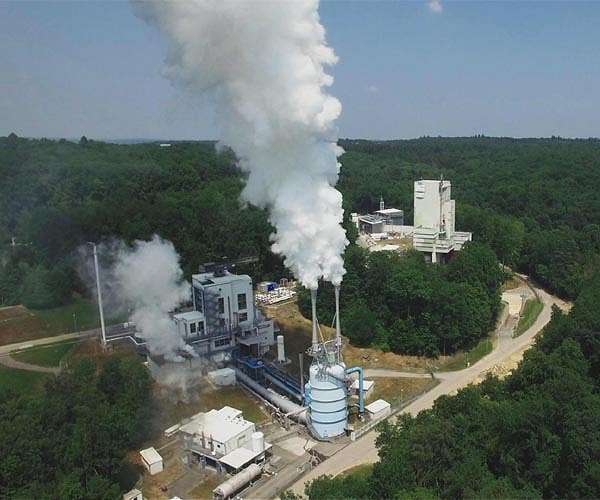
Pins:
x,y
297,445
514,301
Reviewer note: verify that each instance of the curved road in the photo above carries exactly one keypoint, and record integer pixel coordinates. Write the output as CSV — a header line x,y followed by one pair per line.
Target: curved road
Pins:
x,y
363,450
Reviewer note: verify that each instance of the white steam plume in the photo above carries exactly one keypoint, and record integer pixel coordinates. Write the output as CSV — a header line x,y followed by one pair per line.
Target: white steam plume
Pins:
x,y
262,63
149,278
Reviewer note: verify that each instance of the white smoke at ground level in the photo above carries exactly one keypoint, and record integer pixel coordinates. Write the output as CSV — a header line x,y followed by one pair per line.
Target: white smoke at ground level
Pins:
x,y
148,277
263,66
143,282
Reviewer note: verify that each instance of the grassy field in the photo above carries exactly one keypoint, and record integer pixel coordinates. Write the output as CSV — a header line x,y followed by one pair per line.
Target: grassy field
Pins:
x,y
396,390
237,398
19,324
21,380
531,311
45,356
462,360
78,316
205,489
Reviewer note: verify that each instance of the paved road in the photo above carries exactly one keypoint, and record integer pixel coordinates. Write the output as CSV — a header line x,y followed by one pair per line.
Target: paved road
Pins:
x,y
382,372
19,346
364,451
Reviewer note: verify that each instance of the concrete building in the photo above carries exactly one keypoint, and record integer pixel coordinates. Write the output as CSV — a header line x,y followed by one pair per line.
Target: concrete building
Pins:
x,y
223,440
434,214
384,220
370,224
152,460
224,315
378,409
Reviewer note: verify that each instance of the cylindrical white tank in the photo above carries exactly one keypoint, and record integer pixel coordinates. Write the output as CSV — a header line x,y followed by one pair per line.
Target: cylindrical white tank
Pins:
x,y
258,442
237,482
328,405
280,349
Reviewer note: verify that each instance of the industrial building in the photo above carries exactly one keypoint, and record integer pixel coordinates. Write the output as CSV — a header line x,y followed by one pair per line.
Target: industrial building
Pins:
x,y
434,214
223,440
224,315
384,220
433,232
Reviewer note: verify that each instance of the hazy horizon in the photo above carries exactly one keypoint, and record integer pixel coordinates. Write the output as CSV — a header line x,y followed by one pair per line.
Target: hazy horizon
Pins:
x,y
405,70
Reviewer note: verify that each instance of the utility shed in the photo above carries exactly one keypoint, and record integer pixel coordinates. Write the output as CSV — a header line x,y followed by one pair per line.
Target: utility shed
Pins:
x,y
134,494
222,377
152,460
378,409
367,387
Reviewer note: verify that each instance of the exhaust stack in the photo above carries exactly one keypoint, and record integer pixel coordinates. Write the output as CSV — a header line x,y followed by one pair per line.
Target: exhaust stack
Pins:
x,y
315,337
338,329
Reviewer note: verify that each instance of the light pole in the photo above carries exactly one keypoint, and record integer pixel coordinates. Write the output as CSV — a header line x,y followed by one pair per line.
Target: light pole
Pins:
x,y
99,293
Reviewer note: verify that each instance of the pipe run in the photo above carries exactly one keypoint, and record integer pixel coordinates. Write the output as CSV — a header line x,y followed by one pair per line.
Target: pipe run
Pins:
x,y
313,302
338,329
361,383
285,405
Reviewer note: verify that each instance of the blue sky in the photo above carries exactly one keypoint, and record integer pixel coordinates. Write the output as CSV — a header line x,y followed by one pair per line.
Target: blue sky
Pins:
x,y
406,69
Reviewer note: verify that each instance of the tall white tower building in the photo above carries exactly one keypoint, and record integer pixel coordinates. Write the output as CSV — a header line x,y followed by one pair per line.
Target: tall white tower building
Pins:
x,y
434,212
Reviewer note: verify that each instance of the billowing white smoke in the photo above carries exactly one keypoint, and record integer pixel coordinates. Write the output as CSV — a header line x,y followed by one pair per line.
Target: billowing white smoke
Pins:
x,y
262,62
149,278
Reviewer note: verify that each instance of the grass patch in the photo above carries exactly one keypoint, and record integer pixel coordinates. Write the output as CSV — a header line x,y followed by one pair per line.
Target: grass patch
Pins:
x,y
77,316
206,487
21,381
235,397
462,360
531,311
396,390
45,356
364,471
512,283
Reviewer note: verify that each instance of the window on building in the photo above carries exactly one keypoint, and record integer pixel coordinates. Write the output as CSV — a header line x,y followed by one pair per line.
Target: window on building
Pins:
x,y
192,327
243,317
200,328
221,305
198,298
242,304
221,342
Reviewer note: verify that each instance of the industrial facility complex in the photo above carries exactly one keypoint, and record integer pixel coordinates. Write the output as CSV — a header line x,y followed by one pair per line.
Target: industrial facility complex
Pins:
x,y
230,341
433,231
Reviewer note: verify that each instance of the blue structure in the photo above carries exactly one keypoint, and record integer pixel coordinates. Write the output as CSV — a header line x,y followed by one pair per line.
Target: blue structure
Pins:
x,y
326,395
361,384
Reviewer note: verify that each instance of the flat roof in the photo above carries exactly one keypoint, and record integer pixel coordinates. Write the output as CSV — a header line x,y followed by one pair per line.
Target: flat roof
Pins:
x,y
389,211
221,425
367,384
189,316
208,279
151,456
377,406
239,457
370,219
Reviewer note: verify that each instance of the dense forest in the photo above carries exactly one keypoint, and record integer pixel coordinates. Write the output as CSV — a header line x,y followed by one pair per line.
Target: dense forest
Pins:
x,y
57,195
534,434
403,304
534,201
70,441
